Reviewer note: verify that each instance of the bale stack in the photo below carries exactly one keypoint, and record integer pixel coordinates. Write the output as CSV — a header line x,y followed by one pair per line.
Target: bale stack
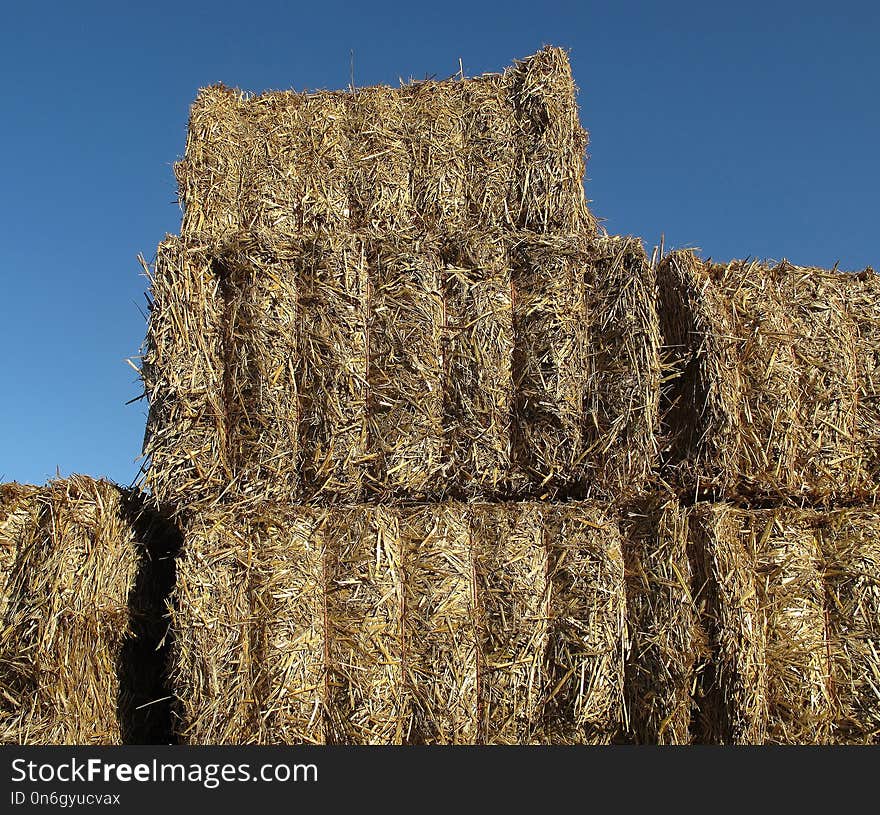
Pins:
x,y
440,624
777,387
392,364
772,409
81,615
393,295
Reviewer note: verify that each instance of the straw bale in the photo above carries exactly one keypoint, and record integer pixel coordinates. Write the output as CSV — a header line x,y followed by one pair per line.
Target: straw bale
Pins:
x,y
862,297
19,509
382,161
550,363
332,370
294,164
621,400
368,700
260,347
548,193
583,701
212,647
441,661
438,624
436,130
792,593
209,178
289,624
503,150
477,354
183,372
491,135
81,617
732,689
762,598
512,589
344,369
404,371
586,366
851,545
776,392
664,637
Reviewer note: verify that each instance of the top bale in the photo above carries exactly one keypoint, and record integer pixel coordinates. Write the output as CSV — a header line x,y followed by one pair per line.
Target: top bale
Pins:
x,y
778,378
498,151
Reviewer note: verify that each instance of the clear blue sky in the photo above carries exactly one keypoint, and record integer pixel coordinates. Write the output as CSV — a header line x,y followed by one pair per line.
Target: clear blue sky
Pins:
x,y
742,128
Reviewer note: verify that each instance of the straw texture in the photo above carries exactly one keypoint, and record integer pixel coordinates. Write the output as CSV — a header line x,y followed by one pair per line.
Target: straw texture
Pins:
x,y
665,636
776,392
82,615
336,371
448,623
788,599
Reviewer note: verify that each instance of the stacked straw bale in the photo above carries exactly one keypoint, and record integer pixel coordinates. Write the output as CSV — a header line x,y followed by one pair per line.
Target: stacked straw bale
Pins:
x,y
342,370
777,392
665,636
81,615
790,603
501,151
397,295
365,624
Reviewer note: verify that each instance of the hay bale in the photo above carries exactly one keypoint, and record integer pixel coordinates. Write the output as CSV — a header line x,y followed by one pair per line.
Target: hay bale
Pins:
x,y
82,619
368,700
490,152
504,150
547,193
331,369
478,341
404,371
732,689
293,160
183,370
437,132
586,367
850,541
261,340
622,396
248,622
662,622
550,359
792,593
512,587
212,656
445,623
584,660
441,661
775,394
761,597
19,509
352,306
346,369
209,178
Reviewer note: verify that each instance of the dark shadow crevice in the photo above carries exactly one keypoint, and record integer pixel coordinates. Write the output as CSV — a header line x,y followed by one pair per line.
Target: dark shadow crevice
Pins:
x,y
146,706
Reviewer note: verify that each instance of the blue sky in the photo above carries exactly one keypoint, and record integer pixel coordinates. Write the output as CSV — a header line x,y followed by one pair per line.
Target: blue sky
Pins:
x,y
747,129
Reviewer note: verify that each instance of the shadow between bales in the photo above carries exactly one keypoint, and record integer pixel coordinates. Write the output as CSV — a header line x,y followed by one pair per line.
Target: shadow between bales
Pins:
x,y
145,704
